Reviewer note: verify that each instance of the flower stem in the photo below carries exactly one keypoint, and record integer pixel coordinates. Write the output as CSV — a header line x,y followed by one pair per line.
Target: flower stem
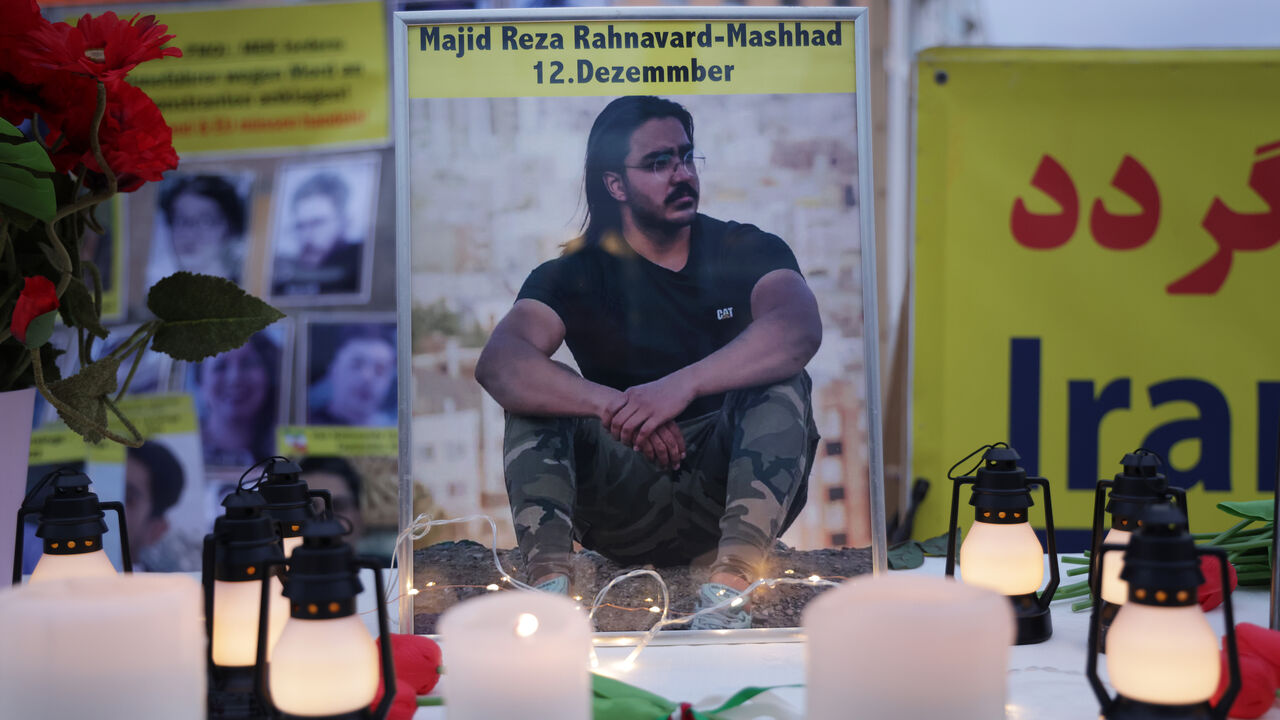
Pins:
x,y
1229,532
138,351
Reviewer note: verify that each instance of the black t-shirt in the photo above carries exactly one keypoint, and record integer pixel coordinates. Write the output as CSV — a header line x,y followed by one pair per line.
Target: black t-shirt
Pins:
x,y
629,321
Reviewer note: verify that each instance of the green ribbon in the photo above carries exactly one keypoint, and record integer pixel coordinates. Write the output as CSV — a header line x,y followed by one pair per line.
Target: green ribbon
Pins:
x,y
615,700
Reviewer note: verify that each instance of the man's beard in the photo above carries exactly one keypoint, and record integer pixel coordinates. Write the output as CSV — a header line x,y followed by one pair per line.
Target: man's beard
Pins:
x,y
658,221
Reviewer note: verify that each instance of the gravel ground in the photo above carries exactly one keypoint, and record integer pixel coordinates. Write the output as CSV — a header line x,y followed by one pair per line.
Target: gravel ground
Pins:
x,y
448,572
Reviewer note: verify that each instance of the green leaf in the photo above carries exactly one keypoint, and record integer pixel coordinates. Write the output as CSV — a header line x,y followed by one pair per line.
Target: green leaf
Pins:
x,y
40,329
78,302
1262,510
24,183
86,392
203,315
937,546
906,555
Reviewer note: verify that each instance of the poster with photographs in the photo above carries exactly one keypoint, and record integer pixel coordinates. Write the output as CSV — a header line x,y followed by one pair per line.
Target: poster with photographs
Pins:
x,y
349,371
321,242
656,196
242,396
201,225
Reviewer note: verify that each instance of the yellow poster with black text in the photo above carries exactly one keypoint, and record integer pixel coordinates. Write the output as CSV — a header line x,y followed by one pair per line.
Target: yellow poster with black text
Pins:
x,y
630,57
256,78
1093,267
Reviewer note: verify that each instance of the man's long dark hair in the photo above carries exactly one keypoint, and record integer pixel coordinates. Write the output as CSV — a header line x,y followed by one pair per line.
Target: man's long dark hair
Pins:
x,y
607,148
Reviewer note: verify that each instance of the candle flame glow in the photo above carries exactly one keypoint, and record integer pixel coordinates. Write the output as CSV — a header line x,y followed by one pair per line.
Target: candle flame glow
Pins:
x,y
526,625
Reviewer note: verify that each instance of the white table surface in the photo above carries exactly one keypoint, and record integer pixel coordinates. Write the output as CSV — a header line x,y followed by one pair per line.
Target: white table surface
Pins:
x,y
1046,681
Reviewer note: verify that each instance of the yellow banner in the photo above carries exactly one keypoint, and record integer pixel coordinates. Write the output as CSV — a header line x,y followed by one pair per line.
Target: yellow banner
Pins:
x,y
1092,268
58,444
253,78
298,441
630,57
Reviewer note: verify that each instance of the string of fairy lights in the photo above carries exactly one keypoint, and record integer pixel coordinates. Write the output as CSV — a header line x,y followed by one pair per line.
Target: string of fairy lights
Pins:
x,y
423,524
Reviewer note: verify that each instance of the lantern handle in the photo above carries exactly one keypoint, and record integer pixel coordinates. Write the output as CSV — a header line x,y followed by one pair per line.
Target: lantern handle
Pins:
x,y
23,512
384,638
1091,664
1179,497
1233,656
1054,577
951,527
126,558
326,498
1099,510
261,688
206,579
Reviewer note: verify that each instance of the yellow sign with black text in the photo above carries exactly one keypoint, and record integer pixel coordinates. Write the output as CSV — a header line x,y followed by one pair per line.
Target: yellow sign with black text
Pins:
x,y
1094,234
630,57
254,78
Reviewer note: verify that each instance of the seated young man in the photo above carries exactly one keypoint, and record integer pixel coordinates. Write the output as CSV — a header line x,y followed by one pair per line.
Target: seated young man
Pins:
x,y
690,432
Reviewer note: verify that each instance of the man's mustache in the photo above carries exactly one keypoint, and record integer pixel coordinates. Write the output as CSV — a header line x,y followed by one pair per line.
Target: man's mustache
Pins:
x,y
680,191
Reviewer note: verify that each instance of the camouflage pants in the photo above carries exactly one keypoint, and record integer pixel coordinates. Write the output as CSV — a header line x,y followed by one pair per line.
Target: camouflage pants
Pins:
x,y
742,483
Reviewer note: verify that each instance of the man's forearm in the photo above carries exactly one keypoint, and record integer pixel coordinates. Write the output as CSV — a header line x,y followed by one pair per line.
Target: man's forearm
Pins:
x,y
526,382
771,348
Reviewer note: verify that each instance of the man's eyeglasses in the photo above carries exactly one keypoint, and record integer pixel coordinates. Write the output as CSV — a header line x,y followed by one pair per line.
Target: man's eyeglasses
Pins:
x,y
667,163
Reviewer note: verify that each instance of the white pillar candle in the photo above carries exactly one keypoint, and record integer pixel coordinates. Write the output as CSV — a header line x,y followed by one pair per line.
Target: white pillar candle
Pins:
x,y
109,648
908,647
516,654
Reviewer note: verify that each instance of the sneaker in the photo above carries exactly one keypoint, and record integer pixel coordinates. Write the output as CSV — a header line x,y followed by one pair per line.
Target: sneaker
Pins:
x,y
558,585
726,618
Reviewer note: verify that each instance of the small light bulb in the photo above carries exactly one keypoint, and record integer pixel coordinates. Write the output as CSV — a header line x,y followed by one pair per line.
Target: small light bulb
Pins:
x,y
649,600
814,578
578,598
655,609
506,579
789,572
526,625
413,591
492,587
431,584
737,602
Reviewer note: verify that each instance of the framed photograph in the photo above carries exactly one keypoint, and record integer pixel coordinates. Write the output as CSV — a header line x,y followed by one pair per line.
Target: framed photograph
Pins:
x,y
202,225
241,397
349,371
322,228
637,289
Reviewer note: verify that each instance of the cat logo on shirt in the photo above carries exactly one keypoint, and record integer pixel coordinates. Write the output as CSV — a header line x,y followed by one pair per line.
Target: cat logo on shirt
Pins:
x,y
724,313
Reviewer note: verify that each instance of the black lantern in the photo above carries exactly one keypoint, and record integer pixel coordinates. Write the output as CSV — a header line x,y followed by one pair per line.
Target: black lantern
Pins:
x,y
1163,656
72,522
237,553
1001,552
1135,489
289,500
325,664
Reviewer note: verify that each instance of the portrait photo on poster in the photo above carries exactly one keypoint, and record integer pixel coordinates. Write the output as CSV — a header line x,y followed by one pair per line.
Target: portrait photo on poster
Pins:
x,y
349,370
323,220
241,396
767,187
164,503
202,223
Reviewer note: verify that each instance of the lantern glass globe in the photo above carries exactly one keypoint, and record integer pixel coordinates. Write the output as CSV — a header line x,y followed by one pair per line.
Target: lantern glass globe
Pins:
x,y
324,667
1163,655
1005,558
235,621
84,565
1115,590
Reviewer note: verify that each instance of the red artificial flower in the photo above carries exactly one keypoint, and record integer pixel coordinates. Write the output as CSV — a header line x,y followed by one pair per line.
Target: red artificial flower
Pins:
x,y
1209,594
1257,686
417,661
19,79
403,705
104,48
1260,641
38,297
